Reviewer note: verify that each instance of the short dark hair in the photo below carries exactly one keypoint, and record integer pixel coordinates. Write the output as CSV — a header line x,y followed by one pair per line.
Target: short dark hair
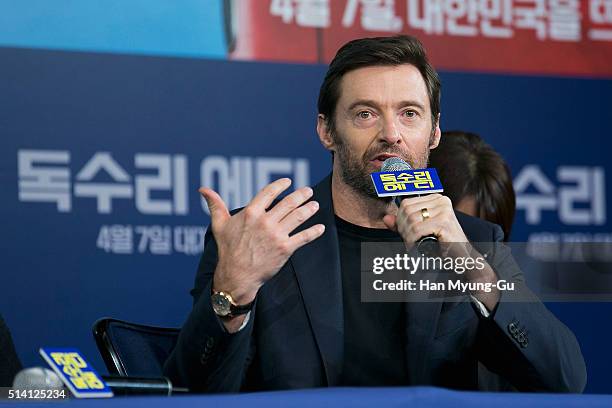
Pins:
x,y
378,51
468,166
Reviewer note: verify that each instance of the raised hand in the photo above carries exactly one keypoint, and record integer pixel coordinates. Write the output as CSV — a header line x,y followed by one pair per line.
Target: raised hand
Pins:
x,y
255,243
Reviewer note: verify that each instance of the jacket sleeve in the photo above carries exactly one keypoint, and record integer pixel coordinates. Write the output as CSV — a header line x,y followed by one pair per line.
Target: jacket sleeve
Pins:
x,y
523,341
206,357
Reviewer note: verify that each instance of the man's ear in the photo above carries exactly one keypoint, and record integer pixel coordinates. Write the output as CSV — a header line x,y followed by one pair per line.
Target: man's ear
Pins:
x,y
324,133
437,133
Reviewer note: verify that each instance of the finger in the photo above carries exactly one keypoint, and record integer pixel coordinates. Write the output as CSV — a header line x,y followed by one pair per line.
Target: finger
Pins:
x,y
415,215
302,238
428,227
290,203
266,195
298,216
421,201
218,211
435,205
390,221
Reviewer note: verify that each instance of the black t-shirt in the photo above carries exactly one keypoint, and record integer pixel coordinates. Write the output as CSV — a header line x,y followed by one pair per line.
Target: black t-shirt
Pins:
x,y
373,332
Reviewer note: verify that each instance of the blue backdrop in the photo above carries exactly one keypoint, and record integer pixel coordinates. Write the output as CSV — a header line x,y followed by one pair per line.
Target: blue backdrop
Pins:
x,y
102,155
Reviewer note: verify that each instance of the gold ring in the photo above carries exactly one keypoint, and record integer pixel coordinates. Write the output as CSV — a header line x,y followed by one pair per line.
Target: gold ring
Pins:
x,y
424,213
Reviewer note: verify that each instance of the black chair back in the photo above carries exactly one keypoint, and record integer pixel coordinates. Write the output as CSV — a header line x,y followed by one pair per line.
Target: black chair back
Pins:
x,y
130,349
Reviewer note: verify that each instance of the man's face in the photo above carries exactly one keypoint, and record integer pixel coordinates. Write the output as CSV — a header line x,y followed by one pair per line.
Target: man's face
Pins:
x,y
383,111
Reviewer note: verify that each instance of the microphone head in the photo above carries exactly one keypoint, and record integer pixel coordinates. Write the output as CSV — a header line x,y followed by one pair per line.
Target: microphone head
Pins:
x,y
395,164
37,378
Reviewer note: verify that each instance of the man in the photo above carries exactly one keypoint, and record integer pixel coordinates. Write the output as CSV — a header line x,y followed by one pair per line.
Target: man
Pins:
x,y
276,298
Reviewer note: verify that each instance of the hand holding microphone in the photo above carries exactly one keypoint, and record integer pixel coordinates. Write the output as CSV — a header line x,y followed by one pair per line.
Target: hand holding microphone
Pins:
x,y
422,218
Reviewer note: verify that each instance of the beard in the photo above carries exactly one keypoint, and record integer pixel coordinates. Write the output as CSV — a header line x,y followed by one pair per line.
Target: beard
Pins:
x,y
355,171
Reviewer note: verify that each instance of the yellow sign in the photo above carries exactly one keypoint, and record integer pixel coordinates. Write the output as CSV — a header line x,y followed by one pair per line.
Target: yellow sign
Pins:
x,y
72,365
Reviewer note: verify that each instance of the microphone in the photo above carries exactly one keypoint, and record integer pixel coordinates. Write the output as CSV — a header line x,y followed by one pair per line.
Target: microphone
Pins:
x,y
70,367
396,164
141,385
37,378
429,243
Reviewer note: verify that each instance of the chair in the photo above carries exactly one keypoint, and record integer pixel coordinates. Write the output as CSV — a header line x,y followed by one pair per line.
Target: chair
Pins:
x,y
130,349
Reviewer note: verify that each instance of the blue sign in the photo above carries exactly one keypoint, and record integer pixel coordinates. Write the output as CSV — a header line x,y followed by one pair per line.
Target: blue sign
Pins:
x,y
79,376
407,182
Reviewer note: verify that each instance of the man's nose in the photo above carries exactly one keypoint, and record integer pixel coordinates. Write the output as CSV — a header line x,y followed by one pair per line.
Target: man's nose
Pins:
x,y
390,131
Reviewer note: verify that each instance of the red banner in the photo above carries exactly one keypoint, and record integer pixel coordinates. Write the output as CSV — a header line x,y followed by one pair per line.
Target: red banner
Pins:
x,y
564,37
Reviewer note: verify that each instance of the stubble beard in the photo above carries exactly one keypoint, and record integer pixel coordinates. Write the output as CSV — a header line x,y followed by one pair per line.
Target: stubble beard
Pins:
x,y
355,171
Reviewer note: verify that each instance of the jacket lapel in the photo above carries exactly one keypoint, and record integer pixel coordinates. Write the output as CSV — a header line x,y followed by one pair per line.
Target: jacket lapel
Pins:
x,y
317,267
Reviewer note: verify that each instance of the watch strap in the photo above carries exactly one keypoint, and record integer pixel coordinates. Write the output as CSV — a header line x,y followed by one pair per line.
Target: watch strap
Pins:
x,y
236,310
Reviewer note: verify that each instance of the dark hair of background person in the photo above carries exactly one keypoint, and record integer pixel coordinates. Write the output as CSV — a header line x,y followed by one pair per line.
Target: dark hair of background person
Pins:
x,y
9,362
468,166
378,51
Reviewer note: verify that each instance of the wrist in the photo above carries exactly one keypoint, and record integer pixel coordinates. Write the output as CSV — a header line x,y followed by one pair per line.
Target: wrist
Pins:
x,y
241,291
225,306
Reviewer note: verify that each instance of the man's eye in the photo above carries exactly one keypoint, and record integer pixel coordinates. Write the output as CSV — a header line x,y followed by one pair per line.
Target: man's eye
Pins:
x,y
364,115
410,114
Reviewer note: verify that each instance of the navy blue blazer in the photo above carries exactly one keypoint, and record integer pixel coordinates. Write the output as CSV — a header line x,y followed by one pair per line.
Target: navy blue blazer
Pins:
x,y
294,337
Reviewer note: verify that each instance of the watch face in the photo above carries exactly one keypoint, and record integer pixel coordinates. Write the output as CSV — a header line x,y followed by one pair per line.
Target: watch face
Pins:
x,y
221,304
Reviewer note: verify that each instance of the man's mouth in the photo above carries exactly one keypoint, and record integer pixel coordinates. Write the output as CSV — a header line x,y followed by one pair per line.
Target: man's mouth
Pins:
x,y
380,158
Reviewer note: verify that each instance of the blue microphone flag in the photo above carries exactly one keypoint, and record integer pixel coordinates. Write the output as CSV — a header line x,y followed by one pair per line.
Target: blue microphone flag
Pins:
x,y
407,182
78,375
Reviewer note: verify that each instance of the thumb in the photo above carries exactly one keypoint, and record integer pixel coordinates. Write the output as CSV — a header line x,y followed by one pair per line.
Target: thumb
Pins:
x,y
390,222
219,213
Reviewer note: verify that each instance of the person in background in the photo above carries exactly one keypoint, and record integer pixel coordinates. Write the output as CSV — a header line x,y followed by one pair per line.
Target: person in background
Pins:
x,y
476,178
9,362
